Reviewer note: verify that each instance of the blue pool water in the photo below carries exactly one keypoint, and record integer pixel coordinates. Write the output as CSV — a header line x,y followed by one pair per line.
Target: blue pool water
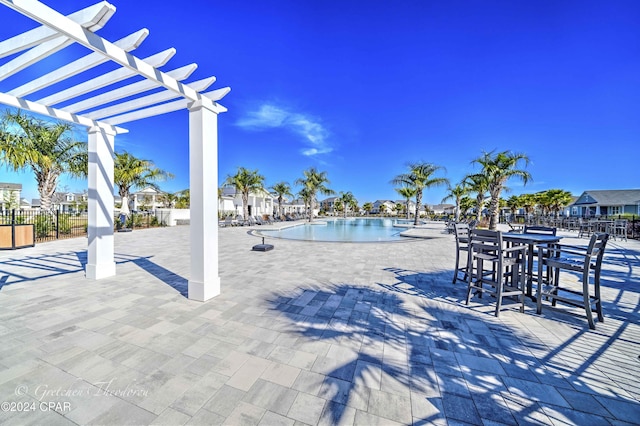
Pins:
x,y
341,230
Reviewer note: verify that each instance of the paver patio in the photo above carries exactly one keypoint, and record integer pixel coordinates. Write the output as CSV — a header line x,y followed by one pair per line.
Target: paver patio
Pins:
x,y
309,333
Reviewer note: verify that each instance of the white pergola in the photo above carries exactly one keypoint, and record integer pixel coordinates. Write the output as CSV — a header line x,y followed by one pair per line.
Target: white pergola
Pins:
x,y
57,31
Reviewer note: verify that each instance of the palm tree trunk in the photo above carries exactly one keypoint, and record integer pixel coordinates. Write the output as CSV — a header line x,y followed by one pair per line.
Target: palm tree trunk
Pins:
x,y
312,202
245,206
495,210
47,182
418,202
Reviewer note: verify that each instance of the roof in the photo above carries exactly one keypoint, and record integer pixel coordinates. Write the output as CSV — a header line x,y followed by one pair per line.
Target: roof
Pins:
x,y
610,197
5,185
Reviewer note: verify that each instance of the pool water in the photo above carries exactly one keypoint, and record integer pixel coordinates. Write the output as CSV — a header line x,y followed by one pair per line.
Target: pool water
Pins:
x,y
341,230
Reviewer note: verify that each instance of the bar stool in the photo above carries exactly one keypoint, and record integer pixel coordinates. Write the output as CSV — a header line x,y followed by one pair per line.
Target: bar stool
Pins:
x,y
461,231
507,264
575,259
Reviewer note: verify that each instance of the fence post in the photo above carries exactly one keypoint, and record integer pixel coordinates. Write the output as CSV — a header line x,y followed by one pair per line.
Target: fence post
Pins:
x,y
13,216
58,224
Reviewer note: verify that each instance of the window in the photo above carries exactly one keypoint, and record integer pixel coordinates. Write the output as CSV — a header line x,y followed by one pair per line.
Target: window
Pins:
x,y
614,210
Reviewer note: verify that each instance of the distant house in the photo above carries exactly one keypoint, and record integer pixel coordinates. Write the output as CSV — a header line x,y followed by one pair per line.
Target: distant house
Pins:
x,y
412,205
147,199
260,203
607,203
389,207
294,206
10,195
328,204
65,202
443,208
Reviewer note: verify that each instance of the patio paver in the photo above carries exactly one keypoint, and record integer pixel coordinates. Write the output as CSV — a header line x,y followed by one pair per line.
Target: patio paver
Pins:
x,y
313,333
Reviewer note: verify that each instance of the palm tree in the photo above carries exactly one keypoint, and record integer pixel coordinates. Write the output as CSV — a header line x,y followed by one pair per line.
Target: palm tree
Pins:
x,y
246,181
420,177
514,203
130,172
314,182
478,184
169,200
382,209
528,203
407,193
456,193
466,204
46,148
305,196
347,201
557,199
281,189
184,199
367,207
498,169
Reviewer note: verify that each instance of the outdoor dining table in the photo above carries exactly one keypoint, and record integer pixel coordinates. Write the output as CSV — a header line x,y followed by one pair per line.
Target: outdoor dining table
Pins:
x,y
530,240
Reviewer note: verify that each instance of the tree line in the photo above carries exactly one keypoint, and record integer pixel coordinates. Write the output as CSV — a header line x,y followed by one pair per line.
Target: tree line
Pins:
x,y
49,151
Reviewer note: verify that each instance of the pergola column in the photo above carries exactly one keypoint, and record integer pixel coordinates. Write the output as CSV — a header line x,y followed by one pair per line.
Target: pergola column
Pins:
x,y
203,176
100,262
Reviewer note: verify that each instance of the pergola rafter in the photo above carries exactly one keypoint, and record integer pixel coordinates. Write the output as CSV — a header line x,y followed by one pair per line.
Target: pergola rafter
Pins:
x,y
94,105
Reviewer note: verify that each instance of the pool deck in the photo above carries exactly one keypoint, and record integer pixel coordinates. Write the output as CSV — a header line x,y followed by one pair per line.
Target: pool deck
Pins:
x,y
308,333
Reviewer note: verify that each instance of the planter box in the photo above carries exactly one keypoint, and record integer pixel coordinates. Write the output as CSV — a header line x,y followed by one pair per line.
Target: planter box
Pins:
x,y
17,236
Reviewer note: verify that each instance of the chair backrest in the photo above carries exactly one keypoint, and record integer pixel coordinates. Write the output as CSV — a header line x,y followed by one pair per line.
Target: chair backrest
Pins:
x,y
485,240
543,230
595,249
461,231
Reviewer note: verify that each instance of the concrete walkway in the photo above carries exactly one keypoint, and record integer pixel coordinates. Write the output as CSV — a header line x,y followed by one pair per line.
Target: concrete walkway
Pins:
x,y
309,333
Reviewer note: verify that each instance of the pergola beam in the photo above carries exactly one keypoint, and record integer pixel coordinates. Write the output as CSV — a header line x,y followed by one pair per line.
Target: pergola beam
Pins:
x,y
163,109
146,101
50,17
125,91
128,43
98,14
157,60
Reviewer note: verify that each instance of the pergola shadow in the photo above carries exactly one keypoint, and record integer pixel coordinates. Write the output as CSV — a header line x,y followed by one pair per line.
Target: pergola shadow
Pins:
x,y
40,268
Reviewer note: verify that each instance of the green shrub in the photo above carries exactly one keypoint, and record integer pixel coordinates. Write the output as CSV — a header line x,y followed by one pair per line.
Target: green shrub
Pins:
x,y
43,225
64,224
154,221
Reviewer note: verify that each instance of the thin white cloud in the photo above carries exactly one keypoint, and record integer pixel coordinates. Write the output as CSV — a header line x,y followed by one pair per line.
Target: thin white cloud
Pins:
x,y
314,135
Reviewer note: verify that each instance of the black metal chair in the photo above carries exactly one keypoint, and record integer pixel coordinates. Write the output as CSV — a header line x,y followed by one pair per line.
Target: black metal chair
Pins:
x,y
507,265
579,260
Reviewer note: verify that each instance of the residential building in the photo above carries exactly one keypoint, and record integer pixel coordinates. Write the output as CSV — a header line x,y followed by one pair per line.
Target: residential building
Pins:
x,y
328,205
10,195
260,203
389,207
607,203
65,202
147,199
440,209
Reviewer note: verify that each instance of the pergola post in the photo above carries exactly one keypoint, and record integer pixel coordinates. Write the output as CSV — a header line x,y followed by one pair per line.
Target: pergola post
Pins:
x,y
100,261
203,175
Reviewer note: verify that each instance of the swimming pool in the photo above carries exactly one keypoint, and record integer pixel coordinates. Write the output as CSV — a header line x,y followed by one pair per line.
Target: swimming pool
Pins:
x,y
340,230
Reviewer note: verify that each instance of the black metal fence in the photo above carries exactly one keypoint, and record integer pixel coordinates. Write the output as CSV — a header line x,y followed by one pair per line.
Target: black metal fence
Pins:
x,y
572,223
49,226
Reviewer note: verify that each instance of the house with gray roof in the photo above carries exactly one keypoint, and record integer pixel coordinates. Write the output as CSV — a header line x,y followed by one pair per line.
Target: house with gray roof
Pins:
x,y
10,195
607,203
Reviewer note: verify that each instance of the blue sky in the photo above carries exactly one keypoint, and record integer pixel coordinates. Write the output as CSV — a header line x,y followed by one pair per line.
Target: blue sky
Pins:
x,y
359,89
